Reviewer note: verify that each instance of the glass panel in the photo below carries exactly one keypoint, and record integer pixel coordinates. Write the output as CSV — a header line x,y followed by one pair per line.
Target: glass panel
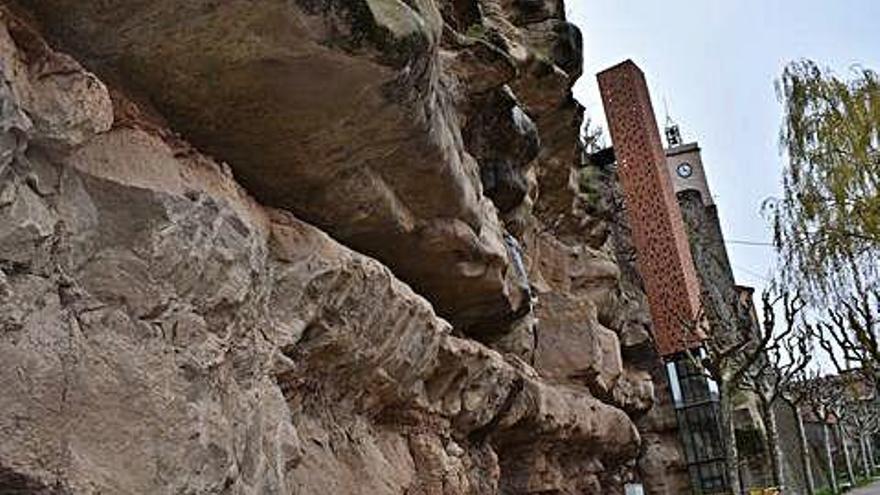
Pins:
x,y
672,376
713,388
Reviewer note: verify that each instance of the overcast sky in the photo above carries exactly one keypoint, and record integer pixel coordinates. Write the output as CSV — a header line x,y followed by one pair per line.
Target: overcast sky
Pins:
x,y
715,62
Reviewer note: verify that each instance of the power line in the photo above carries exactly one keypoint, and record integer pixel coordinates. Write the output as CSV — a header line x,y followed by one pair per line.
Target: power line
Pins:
x,y
752,273
748,243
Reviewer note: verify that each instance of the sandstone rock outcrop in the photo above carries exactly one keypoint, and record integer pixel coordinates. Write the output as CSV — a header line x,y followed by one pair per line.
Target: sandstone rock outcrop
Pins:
x,y
305,247
339,111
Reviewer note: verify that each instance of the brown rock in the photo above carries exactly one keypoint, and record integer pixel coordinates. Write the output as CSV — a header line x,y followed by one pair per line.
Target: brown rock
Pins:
x,y
634,391
573,345
66,105
334,110
164,332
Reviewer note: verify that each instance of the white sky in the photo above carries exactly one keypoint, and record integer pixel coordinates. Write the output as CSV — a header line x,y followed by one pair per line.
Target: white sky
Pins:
x,y
714,63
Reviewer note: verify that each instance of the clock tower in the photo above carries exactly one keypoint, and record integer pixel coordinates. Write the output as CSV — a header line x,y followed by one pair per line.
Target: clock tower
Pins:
x,y
685,166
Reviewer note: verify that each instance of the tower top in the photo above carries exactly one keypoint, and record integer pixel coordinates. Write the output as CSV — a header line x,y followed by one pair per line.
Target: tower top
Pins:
x,y
673,133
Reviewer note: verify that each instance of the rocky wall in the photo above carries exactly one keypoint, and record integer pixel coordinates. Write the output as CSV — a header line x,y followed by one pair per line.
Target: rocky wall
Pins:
x,y
305,247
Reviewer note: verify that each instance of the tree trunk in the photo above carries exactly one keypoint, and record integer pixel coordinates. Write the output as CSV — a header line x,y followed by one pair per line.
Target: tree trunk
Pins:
x,y
832,475
806,462
846,457
864,450
870,441
728,432
773,444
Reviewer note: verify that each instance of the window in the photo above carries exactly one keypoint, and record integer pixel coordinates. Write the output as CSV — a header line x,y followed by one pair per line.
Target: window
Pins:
x,y
692,383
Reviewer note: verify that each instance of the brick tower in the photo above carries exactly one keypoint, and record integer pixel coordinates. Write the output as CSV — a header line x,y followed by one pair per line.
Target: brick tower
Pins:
x,y
663,253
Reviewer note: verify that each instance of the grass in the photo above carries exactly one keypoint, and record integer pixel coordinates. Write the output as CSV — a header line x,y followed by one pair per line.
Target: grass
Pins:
x,y
477,31
860,481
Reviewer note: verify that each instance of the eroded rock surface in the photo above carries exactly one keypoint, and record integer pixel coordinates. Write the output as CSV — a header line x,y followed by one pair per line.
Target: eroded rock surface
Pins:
x,y
306,247
339,111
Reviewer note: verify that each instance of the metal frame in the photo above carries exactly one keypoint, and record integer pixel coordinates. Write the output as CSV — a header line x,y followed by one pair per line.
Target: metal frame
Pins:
x,y
695,398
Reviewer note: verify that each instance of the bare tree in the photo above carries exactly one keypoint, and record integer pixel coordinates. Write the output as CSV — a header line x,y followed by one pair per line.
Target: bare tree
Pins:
x,y
799,394
835,395
785,355
843,399
820,398
849,333
861,422
733,345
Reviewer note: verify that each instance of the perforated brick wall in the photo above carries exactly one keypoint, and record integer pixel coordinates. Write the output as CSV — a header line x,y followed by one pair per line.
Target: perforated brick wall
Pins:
x,y
662,251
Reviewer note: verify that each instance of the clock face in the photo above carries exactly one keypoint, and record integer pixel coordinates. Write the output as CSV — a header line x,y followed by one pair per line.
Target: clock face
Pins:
x,y
685,170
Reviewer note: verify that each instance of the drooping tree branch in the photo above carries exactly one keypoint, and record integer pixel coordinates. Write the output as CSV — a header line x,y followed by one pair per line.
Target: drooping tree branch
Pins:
x,y
827,221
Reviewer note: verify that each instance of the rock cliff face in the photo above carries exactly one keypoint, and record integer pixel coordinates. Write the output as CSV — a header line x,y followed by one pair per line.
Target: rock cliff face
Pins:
x,y
306,247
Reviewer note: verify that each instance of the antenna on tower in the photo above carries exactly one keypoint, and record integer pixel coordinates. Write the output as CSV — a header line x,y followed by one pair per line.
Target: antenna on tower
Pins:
x,y
673,133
